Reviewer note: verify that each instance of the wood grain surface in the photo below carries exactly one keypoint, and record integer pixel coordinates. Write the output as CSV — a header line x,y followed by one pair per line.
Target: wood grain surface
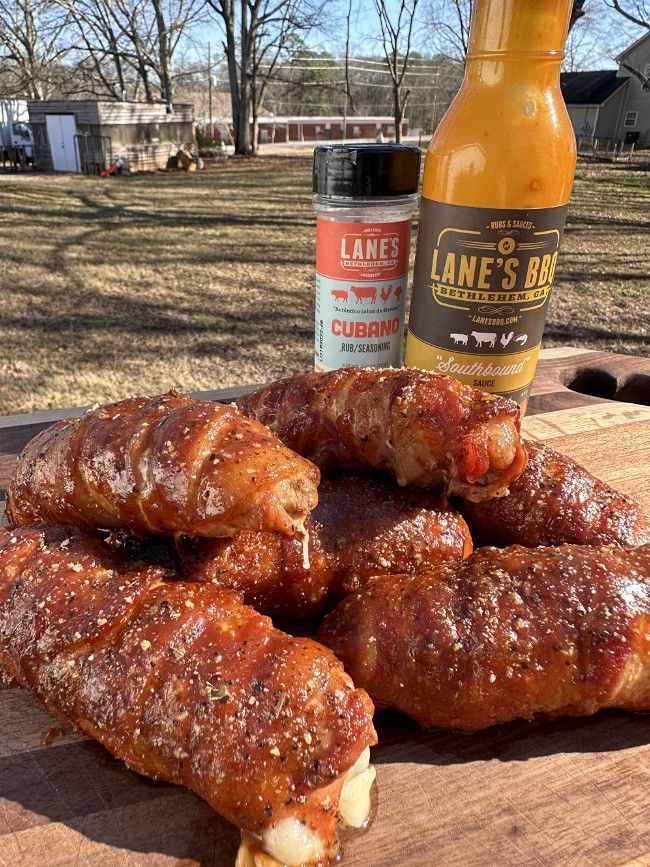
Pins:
x,y
574,792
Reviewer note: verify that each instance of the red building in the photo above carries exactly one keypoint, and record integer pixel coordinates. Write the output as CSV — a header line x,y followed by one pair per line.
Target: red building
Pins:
x,y
274,129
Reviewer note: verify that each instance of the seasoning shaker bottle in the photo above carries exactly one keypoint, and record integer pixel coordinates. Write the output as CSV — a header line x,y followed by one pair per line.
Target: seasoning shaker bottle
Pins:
x,y
364,198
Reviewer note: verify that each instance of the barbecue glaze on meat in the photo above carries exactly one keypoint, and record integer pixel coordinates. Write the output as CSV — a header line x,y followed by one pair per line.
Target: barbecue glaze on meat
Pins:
x,y
185,683
427,430
556,501
504,634
362,526
167,464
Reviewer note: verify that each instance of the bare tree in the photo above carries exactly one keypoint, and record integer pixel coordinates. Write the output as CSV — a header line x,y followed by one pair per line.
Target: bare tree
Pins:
x,y
397,35
577,12
256,32
637,12
130,44
273,40
585,37
30,44
172,20
450,21
99,41
348,89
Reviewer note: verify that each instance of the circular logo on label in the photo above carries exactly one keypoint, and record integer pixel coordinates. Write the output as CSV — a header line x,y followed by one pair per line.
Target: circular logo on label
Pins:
x,y
506,245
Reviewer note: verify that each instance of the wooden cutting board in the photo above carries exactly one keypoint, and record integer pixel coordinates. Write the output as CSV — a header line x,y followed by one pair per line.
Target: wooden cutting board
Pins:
x,y
572,792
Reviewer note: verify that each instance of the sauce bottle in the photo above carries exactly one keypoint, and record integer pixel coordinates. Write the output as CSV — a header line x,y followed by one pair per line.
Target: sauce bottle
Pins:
x,y
364,197
497,181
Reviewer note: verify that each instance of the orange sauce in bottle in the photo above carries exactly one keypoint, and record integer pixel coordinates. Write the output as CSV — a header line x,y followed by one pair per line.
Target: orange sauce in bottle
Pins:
x,y
497,180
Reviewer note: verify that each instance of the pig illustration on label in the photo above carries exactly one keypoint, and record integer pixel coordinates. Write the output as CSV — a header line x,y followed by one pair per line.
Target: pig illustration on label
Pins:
x,y
363,292
459,339
481,337
340,294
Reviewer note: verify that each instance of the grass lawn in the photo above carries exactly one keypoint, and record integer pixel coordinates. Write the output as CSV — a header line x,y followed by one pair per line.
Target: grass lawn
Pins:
x,y
125,285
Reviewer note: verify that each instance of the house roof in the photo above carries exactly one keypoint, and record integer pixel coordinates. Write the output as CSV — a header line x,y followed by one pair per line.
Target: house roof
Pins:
x,y
590,88
634,45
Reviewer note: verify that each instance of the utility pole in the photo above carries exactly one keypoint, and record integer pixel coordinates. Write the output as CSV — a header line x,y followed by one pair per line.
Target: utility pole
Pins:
x,y
210,91
347,71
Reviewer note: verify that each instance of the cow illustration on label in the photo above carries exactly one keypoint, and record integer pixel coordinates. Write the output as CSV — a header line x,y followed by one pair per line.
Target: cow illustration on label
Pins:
x,y
363,292
481,337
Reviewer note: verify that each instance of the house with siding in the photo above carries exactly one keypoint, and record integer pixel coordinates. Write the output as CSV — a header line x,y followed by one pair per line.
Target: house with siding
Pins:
x,y
612,103
595,101
635,119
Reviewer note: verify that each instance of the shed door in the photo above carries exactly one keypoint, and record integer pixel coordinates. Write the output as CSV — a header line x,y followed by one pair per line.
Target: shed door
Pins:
x,y
61,129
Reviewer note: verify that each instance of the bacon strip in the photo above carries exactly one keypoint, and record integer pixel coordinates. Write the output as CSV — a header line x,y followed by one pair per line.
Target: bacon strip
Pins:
x,y
554,501
502,635
185,683
166,464
426,429
362,526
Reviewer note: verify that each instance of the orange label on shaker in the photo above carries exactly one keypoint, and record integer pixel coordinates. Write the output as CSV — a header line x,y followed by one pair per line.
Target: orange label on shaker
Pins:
x,y
362,271
367,250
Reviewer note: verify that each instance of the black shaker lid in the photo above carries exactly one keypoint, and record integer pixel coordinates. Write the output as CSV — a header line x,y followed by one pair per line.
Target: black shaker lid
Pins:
x,y
366,170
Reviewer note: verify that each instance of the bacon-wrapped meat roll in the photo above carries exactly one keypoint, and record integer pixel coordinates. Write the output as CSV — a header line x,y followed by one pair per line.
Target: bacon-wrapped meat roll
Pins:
x,y
186,684
166,464
362,526
426,429
554,501
504,634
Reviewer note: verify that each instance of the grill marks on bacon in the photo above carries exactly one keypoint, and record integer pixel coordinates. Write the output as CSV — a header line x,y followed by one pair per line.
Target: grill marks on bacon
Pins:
x,y
426,429
166,464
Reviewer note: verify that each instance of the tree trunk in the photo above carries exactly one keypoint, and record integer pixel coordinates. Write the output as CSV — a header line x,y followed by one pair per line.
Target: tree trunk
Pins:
x,y
577,11
243,134
255,105
255,134
143,74
164,55
399,113
233,81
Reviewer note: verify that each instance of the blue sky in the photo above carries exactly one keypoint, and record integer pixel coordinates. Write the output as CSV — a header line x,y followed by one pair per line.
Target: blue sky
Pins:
x,y
599,36
595,40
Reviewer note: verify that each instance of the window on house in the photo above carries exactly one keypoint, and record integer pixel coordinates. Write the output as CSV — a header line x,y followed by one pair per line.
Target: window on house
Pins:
x,y
646,70
356,130
631,118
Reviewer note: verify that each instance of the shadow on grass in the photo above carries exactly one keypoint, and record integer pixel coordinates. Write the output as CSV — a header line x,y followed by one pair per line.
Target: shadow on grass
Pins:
x,y
576,333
